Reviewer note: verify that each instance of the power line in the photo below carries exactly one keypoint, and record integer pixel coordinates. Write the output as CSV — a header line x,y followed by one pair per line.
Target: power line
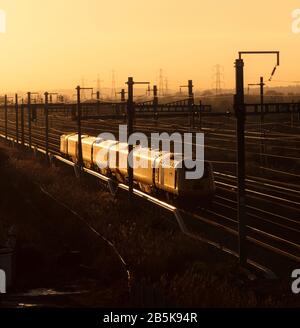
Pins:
x,y
218,78
166,86
82,86
161,83
113,85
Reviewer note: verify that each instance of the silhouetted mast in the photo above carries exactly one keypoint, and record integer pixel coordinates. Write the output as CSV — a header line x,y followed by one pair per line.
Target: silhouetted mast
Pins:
x,y
113,85
161,83
218,78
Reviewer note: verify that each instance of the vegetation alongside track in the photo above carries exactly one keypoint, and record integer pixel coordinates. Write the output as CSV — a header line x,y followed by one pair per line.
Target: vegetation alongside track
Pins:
x,y
167,268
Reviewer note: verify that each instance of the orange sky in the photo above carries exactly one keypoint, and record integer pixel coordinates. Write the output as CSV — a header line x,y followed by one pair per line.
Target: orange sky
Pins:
x,y
51,44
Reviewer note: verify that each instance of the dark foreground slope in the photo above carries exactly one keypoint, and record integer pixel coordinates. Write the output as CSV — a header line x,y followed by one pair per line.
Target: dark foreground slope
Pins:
x,y
61,262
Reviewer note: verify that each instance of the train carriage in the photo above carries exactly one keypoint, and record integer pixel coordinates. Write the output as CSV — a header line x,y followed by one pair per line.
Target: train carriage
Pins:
x,y
155,172
87,151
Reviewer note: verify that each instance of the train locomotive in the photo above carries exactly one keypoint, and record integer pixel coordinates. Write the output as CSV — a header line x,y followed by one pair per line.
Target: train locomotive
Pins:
x,y
155,178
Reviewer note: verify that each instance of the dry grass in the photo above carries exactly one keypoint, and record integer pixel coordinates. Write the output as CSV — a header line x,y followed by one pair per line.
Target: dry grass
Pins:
x,y
169,269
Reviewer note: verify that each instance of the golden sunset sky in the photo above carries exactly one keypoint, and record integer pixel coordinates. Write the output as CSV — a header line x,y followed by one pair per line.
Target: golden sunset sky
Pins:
x,y
51,44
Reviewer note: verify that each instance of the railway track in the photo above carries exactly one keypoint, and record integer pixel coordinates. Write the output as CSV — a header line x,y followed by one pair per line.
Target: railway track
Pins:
x,y
273,207
213,154
60,126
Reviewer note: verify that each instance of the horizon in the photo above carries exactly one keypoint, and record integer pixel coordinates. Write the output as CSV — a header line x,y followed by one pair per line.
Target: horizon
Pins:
x,y
281,90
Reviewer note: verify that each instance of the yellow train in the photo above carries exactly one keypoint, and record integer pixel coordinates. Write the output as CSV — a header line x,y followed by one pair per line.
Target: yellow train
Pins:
x,y
154,178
